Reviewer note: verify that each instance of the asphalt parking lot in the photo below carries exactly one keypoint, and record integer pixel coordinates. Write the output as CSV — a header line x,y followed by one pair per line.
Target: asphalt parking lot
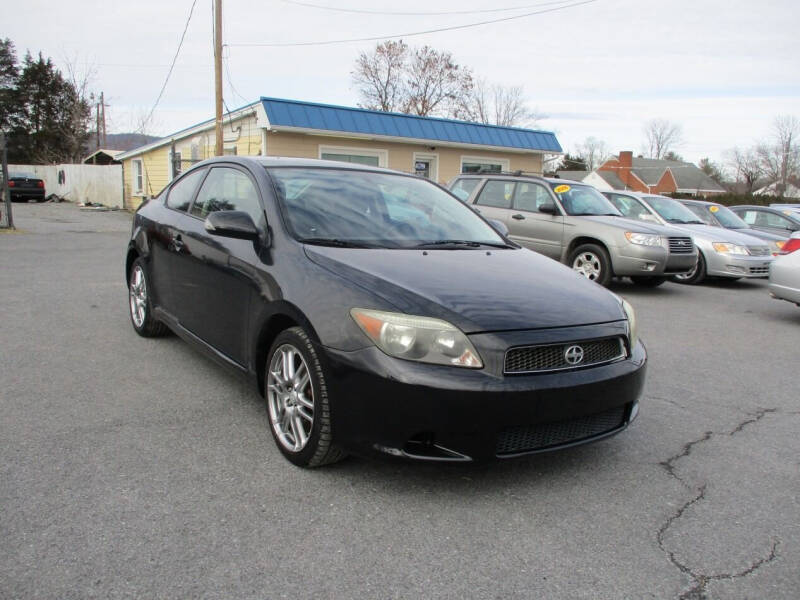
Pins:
x,y
137,468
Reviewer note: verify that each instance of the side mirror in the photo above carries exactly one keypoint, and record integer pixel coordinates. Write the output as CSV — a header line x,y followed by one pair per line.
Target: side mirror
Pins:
x,y
548,209
232,223
499,227
648,217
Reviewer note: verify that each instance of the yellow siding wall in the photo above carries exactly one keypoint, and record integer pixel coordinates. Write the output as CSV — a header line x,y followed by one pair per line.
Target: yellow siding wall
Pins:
x,y
156,176
401,156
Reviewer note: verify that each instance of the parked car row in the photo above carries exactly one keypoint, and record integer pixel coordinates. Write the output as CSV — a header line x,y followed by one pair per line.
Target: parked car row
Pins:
x,y
642,236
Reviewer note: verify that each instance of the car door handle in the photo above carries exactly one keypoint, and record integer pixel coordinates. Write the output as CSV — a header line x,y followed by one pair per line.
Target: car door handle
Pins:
x,y
518,217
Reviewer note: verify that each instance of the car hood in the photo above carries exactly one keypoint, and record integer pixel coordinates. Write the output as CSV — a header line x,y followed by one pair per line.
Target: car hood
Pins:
x,y
710,233
476,290
762,235
634,225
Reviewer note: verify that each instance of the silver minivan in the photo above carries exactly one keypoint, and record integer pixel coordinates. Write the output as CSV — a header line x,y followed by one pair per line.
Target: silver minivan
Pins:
x,y
723,252
573,223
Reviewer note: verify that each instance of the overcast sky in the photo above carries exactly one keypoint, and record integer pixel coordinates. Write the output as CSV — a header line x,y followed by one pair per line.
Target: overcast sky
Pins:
x,y
722,69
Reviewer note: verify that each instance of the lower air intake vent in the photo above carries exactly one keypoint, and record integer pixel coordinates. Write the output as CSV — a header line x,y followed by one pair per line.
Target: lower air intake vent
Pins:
x,y
539,437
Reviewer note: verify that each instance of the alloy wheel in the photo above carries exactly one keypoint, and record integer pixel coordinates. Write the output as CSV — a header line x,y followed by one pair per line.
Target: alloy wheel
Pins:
x,y
138,297
588,265
290,398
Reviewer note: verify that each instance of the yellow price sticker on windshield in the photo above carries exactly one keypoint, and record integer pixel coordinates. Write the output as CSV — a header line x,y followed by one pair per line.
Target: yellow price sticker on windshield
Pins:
x,y
787,212
713,208
562,189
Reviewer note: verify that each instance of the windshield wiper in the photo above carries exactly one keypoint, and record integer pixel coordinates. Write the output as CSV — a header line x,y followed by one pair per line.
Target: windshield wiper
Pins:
x,y
591,214
464,243
336,243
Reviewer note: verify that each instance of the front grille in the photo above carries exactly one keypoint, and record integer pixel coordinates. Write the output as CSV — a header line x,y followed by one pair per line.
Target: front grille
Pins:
x,y
552,357
681,245
546,435
759,270
758,250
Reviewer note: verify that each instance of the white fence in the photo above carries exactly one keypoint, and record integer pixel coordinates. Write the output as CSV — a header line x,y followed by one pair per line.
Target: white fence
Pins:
x,y
79,183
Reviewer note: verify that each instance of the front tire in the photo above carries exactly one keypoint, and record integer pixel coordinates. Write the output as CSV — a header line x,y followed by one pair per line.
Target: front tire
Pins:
x,y
298,404
592,261
140,303
694,276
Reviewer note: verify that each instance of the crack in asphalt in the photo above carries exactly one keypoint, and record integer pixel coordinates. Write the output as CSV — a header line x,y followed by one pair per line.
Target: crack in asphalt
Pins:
x,y
701,580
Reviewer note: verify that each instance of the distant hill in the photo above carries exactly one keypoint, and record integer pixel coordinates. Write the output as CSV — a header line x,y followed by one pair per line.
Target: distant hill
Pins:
x,y
122,141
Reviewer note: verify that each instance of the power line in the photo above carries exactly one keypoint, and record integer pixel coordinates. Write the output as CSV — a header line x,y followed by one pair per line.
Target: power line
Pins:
x,y
171,67
161,93
412,34
420,14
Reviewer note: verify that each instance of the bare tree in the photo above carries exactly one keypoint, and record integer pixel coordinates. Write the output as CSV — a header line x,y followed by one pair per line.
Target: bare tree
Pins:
x,y
435,83
495,104
593,152
746,165
661,136
780,157
380,76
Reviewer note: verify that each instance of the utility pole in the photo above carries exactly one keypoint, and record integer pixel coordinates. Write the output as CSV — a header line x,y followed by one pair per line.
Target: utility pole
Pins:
x,y
100,119
218,75
103,118
5,191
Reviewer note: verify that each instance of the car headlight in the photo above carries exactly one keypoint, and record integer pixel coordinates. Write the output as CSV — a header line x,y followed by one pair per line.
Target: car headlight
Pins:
x,y
643,239
726,248
422,339
777,246
633,326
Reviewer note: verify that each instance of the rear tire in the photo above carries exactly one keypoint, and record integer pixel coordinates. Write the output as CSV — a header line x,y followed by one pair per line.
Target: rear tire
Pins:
x,y
591,261
298,404
140,304
694,276
650,282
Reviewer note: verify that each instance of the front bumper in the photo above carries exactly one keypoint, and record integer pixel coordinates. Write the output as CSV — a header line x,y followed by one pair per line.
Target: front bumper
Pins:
x,y
727,265
635,259
383,406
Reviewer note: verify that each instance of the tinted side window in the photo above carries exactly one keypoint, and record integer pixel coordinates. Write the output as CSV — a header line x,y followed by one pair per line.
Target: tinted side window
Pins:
x,y
530,196
748,216
180,195
497,194
463,188
227,189
772,220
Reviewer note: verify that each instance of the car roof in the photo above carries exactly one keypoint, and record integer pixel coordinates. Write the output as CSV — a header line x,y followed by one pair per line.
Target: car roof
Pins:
x,y
502,175
698,202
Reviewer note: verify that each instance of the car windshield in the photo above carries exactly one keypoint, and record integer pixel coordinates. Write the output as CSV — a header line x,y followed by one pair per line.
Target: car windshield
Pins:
x,y
366,209
726,217
583,200
703,214
671,210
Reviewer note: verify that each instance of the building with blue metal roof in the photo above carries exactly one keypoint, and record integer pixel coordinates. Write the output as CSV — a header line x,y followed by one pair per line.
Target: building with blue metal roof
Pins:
x,y
431,147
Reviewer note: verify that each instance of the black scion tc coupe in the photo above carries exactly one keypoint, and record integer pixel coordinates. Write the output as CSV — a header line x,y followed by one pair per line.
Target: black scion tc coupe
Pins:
x,y
379,315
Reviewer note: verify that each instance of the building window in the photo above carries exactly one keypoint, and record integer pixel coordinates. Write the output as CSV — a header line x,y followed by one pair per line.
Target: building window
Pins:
x,y
138,176
477,164
361,156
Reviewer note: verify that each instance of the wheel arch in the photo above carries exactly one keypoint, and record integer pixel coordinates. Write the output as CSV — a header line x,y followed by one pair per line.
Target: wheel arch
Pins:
x,y
585,239
282,315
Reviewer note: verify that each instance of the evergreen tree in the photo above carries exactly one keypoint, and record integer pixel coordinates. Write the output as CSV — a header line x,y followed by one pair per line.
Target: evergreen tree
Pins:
x,y
46,119
8,83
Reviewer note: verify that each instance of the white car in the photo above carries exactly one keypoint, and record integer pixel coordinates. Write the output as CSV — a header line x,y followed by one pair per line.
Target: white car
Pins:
x,y
784,274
